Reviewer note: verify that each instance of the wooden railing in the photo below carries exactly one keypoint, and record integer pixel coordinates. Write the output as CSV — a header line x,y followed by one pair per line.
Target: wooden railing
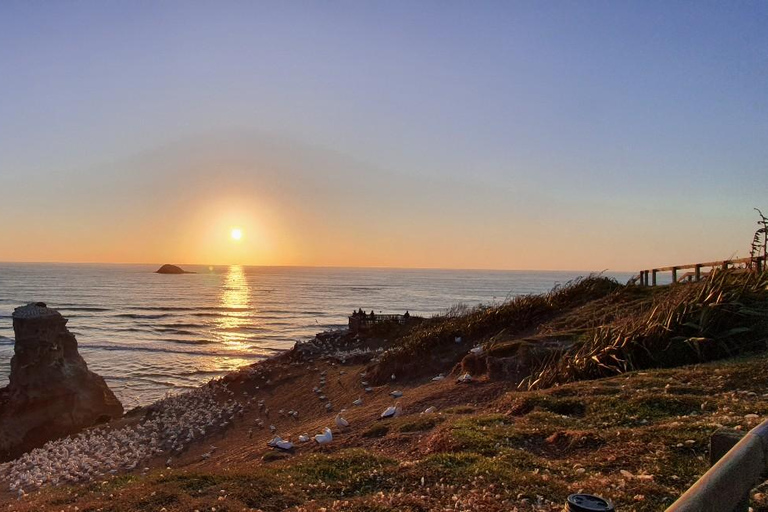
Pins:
x,y
648,277
726,486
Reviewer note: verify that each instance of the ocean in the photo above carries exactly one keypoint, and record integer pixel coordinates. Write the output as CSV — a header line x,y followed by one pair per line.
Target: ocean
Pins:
x,y
149,334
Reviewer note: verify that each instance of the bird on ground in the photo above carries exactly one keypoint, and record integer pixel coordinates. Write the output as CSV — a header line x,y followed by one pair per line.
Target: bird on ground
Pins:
x,y
429,410
341,422
464,379
359,401
176,421
325,437
396,394
303,438
392,411
278,442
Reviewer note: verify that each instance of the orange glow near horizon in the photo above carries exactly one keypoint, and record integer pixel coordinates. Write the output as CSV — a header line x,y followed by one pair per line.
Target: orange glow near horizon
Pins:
x,y
263,225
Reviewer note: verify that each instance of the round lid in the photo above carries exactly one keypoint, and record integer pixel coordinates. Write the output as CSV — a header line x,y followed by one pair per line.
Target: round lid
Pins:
x,y
588,503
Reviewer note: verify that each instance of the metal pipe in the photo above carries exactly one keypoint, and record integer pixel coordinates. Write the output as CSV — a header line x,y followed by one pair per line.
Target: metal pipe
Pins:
x,y
727,483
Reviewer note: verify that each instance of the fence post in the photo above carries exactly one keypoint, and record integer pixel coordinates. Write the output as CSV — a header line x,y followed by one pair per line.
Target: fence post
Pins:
x,y
697,271
653,276
674,274
721,443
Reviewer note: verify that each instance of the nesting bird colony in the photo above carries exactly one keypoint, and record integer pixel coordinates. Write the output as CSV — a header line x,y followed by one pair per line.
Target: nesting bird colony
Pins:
x,y
169,427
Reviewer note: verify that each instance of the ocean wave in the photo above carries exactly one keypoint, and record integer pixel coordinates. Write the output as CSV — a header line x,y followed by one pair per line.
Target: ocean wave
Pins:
x,y
188,342
188,308
82,308
136,316
182,332
182,325
165,350
242,328
168,383
193,372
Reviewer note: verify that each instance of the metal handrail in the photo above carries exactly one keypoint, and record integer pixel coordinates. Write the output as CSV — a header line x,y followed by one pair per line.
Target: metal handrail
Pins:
x,y
727,484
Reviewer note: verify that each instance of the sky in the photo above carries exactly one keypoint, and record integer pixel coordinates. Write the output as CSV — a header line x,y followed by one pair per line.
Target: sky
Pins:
x,y
500,135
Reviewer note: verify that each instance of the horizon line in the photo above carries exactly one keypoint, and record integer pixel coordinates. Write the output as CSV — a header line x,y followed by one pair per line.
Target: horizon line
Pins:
x,y
381,267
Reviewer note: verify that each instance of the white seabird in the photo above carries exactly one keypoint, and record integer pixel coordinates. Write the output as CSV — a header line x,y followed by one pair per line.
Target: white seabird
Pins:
x,y
325,437
429,410
341,422
359,401
392,411
396,394
278,442
303,438
465,379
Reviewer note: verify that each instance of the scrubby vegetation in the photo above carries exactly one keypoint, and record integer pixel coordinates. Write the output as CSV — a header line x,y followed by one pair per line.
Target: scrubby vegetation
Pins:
x,y
724,315
430,345
591,328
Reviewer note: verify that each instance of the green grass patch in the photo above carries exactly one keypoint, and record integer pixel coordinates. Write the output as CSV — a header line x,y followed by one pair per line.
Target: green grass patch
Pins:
x,y
376,430
352,471
460,409
421,423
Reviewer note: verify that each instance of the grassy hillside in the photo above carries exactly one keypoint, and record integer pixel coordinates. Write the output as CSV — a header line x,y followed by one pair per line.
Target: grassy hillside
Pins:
x,y
569,394
640,439
590,328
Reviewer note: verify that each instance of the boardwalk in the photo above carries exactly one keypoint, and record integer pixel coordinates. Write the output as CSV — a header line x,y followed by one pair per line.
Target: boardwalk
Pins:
x,y
699,270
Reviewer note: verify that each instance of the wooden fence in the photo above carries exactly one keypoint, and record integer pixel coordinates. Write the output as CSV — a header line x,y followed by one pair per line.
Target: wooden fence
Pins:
x,y
698,270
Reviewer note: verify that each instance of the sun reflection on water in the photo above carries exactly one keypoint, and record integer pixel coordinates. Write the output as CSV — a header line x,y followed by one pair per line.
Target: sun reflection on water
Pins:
x,y
235,304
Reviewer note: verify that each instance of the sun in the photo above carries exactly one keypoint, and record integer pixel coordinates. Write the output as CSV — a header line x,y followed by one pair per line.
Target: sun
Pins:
x,y
236,234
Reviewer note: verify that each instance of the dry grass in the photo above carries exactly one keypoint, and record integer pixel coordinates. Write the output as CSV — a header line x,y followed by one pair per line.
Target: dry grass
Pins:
x,y
596,327
431,346
722,316
640,439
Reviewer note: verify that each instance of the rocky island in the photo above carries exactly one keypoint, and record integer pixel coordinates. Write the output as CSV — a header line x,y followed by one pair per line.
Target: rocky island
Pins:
x,y
51,392
172,269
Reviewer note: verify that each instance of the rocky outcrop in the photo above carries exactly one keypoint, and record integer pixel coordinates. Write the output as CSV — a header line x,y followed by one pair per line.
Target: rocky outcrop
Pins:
x,y
51,391
171,269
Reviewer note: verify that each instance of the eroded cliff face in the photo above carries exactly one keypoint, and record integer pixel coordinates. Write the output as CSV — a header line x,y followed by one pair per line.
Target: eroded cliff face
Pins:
x,y
51,391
